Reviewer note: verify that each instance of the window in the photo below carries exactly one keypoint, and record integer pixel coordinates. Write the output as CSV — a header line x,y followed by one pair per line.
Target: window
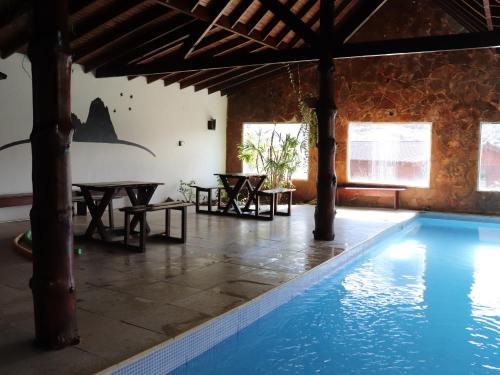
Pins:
x,y
489,158
390,153
265,134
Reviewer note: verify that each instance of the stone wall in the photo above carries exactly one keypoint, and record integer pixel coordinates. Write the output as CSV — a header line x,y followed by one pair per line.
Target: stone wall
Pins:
x,y
456,91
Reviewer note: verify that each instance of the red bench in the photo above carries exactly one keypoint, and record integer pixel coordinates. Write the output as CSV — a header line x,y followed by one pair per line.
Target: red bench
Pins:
x,y
352,191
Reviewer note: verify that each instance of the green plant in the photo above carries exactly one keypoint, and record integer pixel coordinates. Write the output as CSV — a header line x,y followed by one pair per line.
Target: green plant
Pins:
x,y
276,155
186,189
306,112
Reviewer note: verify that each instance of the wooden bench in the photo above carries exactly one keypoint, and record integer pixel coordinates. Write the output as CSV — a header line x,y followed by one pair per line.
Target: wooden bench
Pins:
x,y
141,211
274,195
349,191
208,190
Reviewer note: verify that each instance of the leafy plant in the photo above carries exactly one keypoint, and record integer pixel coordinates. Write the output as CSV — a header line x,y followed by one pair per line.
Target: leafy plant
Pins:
x,y
274,154
186,189
306,111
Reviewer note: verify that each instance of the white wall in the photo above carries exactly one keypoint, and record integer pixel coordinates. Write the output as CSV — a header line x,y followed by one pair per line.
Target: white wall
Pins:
x,y
159,117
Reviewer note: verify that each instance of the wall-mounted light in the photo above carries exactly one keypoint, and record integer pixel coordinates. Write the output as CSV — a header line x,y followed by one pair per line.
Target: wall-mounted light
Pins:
x,y
3,76
211,124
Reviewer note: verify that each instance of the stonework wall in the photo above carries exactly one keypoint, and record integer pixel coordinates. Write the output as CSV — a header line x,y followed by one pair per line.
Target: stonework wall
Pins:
x,y
456,91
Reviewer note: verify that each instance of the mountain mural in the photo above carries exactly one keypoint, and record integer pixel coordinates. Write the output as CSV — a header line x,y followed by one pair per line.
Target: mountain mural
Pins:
x,y
97,129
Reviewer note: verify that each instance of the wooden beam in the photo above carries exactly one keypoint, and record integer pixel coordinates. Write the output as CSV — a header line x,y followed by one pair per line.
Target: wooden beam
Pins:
x,y
326,182
357,19
275,20
216,11
143,44
123,31
487,14
267,72
292,21
202,13
441,43
235,79
201,77
104,15
301,13
369,49
52,283
238,11
202,63
15,34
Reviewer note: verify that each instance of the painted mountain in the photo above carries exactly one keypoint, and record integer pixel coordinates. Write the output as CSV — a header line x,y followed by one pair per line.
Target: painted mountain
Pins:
x,y
97,129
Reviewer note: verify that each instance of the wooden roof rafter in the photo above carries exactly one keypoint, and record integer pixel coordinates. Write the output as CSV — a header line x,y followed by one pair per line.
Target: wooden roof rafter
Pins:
x,y
212,43
203,14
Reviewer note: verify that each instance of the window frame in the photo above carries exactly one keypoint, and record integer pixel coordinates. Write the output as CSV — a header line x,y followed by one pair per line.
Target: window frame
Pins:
x,y
388,123
245,123
480,156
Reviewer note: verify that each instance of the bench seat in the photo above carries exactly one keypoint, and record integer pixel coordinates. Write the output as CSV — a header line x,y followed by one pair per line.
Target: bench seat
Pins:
x,y
348,191
141,211
274,195
208,190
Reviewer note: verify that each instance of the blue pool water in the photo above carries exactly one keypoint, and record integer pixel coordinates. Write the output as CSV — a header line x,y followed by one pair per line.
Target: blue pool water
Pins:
x,y
424,301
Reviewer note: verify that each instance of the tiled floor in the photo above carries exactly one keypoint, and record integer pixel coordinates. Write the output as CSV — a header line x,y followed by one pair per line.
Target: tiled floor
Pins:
x,y
128,302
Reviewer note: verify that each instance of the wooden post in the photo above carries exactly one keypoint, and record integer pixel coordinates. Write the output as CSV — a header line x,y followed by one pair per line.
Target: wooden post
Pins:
x,y
326,181
52,283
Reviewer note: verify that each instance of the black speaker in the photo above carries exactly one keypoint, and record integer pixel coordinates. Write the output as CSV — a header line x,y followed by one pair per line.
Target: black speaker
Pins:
x,y
211,124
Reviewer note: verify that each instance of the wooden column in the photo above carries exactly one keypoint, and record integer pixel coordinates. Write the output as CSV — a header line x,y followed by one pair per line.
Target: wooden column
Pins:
x,y
52,283
326,181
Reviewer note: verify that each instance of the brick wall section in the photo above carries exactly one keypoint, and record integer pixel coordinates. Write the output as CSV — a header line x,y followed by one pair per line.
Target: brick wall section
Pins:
x,y
454,90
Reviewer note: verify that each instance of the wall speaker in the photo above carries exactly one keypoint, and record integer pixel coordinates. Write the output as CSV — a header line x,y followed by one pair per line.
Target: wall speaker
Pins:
x,y
211,124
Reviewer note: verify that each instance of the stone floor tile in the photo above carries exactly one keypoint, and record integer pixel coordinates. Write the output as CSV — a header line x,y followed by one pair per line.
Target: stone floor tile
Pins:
x,y
209,302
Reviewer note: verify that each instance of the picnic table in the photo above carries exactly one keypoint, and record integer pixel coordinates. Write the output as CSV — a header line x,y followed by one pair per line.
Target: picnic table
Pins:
x,y
233,184
139,193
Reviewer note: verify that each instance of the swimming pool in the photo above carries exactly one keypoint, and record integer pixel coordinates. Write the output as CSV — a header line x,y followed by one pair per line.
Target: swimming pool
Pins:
x,y
424,301
423,298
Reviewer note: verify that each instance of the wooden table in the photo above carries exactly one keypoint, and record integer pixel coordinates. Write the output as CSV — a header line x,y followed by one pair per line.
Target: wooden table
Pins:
x,y
233,184
139,193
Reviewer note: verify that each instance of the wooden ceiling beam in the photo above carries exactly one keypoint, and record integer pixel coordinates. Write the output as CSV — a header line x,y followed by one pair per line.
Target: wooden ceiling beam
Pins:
x,y
311,22
202,13
275,20
215,37
266,72
143,44
238,11
222,47
202,63
229,74
15,34
104,15
175,77
378,48
301,13
357,19
292,21
10,10
255,18
232,79
201,77
487,14
141,21
216,12
440,43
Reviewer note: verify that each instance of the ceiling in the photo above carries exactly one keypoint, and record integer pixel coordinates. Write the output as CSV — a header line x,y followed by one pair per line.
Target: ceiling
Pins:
x,y
184,36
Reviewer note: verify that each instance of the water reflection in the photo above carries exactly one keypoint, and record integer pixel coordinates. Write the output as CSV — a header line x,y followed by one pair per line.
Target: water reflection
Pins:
x,y
485,303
